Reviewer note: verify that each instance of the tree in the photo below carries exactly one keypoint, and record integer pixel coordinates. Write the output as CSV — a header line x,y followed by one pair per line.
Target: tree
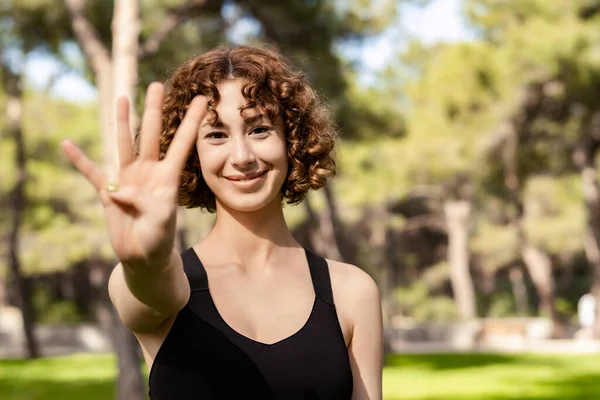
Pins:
x,y
12,81
559,99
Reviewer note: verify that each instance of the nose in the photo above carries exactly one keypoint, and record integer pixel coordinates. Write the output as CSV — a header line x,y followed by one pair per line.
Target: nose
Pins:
x,y
242,153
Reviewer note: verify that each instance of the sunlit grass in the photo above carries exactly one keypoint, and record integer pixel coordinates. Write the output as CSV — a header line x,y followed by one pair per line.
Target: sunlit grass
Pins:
x,y
89,377
492,377
410,377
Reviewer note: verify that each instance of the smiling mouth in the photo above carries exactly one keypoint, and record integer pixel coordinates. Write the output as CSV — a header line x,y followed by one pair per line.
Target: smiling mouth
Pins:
x,y
247,179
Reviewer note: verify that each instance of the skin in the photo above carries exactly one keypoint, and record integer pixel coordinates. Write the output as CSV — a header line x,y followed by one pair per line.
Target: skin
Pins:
x,y
258,273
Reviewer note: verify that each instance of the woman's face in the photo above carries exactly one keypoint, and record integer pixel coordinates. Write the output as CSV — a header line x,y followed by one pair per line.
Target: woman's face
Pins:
x,y
244,158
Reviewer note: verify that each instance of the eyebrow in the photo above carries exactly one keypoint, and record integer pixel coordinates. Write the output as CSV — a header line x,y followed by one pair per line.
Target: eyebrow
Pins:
x,y
247,120
254,119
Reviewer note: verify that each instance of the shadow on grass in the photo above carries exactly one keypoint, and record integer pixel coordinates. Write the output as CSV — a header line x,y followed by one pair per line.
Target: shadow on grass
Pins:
x,y
579,387
442,362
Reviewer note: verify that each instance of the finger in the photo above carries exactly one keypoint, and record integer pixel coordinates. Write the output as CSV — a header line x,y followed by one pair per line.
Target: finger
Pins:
x,y
186,134
142,202
126,155
84,164
152,122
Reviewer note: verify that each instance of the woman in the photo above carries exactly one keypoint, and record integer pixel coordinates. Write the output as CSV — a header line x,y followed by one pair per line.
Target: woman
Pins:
x,y
247,313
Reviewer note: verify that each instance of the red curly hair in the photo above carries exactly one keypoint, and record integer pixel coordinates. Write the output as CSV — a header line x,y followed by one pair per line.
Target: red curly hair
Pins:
x,y
271,84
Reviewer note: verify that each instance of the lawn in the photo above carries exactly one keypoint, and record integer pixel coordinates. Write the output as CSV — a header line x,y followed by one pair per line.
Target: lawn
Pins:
x,y
406,377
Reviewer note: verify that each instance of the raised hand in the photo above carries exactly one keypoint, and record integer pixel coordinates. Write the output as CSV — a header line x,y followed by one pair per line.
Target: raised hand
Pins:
x,y
140,207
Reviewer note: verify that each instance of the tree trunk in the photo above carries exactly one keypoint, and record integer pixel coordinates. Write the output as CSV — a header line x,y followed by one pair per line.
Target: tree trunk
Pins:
x,y
458,214
125,27
519,290
125,34
3,295
336,227
585,158
130,382
315,240
82,289
100,60
116,75
539,267
327,228
537,263
18,201
378,243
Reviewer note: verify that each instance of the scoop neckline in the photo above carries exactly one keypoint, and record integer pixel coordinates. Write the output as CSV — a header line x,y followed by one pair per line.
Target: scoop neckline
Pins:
x,y
236,333
257,342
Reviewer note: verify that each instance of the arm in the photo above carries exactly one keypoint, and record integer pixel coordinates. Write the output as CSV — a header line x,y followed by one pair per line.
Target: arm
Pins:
x,y
140,206
366,346
145,297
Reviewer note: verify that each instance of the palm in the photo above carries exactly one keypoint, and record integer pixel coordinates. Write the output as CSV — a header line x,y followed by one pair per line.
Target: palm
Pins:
x,y
141,215
135,233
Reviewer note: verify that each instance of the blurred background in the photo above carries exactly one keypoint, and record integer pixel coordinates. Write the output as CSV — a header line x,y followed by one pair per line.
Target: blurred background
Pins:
x,y
467,182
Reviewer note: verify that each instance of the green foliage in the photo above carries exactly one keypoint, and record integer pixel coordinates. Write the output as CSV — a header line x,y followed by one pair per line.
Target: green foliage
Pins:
x,y
555,217
371,171
495,244
54,312
44,25
565,306
61,206
435,120
502,304
416,302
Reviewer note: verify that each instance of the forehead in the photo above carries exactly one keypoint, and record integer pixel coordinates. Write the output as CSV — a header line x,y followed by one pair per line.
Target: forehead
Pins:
x,y
232,101
232,104
231,91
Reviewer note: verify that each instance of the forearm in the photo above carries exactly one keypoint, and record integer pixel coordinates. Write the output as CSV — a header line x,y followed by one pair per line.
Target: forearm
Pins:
x,y
159,285
144,296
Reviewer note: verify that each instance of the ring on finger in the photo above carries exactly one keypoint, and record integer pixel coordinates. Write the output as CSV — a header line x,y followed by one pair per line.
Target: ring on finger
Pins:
x,y
112,186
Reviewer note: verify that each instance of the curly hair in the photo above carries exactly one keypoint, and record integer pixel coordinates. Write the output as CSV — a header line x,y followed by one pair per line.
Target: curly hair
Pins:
x,y
271,84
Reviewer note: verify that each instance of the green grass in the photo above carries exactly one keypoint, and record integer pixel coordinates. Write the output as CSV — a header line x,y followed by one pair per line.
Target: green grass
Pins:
x,y
88,377
406,377
492,377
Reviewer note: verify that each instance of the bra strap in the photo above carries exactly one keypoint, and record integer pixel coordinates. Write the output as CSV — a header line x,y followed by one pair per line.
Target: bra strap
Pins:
x,y
194,270
319,272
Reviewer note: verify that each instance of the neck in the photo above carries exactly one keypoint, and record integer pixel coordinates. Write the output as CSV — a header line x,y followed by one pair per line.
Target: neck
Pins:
x,y
250,238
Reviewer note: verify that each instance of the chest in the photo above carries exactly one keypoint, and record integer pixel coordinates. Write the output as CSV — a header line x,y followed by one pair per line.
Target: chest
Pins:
x,y
266,308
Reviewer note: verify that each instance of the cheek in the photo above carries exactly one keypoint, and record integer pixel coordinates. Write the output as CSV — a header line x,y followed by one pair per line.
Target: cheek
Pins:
x,y
276,153
209,167
210,158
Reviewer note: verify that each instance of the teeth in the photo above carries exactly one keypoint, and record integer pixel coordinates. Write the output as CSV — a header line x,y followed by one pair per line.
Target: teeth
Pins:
x,y
249,179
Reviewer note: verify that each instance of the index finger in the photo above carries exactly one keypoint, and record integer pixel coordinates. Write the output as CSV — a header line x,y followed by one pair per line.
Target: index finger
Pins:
x,y
186,133
86,166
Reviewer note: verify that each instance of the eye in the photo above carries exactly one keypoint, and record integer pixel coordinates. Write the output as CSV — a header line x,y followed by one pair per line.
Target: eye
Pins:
x,y
260,130
215,135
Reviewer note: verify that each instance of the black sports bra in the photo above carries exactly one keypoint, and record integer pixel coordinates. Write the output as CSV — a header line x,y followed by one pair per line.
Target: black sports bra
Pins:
x,y
203,358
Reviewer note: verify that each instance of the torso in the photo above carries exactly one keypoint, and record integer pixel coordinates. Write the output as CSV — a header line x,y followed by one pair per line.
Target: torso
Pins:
x,y
272,310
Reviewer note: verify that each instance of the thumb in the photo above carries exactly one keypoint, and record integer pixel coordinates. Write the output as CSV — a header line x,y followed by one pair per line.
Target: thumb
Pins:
x,y
143,202
132,197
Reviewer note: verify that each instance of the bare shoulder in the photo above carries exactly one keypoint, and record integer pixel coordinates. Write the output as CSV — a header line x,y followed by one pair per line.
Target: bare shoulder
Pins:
x,y
358,306
350,280
355,295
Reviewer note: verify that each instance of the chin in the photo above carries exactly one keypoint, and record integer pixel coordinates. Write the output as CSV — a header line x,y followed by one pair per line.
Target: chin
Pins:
x,y
248,202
